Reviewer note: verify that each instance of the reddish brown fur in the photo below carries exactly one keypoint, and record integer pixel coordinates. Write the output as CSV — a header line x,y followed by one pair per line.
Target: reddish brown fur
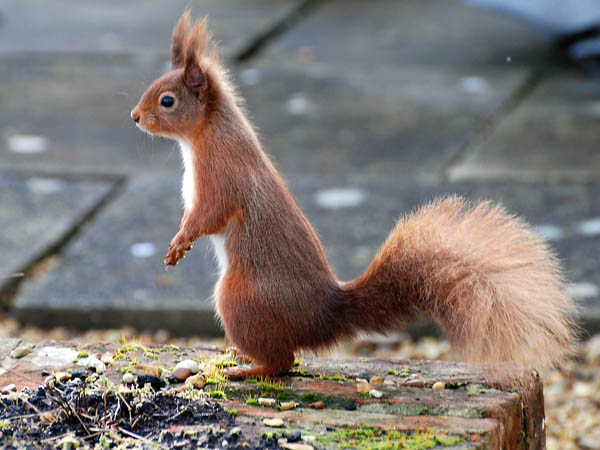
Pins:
x,y
493,286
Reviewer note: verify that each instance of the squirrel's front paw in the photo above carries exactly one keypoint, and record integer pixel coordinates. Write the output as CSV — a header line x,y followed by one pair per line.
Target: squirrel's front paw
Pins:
x,y
179,245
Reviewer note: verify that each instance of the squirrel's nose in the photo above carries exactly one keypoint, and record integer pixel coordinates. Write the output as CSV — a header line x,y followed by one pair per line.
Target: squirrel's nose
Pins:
x,y
135,115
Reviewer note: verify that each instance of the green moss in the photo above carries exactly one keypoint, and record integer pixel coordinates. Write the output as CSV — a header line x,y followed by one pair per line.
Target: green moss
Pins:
x,y
224,364
298,373
310,397
252,401
367,437
233,412
283,396
217,394
83,354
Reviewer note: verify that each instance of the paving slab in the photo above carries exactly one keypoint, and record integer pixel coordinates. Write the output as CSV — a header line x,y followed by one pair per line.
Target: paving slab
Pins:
x,y
314,119
137,26
552,134
112,273
77,107
475,408
438,32
37,212
408,120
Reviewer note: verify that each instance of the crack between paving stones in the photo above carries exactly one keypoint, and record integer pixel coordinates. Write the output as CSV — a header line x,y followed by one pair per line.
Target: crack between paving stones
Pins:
x,y
263,38
484,131
10,287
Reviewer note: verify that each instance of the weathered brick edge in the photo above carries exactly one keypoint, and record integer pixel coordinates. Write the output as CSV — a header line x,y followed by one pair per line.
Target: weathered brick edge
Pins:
x,y
489,408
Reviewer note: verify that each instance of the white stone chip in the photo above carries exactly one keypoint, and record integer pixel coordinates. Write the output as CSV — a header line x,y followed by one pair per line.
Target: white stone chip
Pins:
x,y
143,249
549,232
54,357
582,290
27,144
45,185
297,105
375,393
589,227
473,84
335,198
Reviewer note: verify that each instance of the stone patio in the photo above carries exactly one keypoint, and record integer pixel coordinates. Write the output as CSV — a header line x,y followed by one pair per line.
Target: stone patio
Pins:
x,y
368,110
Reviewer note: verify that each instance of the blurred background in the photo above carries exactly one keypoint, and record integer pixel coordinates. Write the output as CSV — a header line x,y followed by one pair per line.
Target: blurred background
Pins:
x,y
368,109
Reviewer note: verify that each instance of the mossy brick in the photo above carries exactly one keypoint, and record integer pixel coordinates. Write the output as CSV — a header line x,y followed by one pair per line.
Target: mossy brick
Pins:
x,y
493,417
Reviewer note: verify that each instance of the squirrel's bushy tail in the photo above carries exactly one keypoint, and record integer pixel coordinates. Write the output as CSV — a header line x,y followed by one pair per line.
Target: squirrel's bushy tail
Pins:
x,y
494,287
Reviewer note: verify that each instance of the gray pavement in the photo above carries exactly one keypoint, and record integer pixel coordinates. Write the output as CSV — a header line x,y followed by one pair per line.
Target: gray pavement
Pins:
x,y
368,108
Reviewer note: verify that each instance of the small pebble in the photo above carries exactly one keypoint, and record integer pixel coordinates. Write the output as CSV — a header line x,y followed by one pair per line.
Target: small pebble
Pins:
x,y
182,373
22,350
142,369
375,393
317,405
363,387
289,446
361,380
439,385
8,388
269,402
389,382
415,380
273,422
189,364
128,378
106,358
45,372
198,381
287,405
350,407
376,380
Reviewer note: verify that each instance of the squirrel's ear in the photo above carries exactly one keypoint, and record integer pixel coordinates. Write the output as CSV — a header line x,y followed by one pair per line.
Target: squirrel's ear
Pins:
x,y
196,42
194,78
178,41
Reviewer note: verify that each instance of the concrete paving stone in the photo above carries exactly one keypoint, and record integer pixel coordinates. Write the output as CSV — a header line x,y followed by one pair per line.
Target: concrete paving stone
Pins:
x,y
552,134
327,119
79,107
112,274
139,26
317,119
483,408
37,212
439,32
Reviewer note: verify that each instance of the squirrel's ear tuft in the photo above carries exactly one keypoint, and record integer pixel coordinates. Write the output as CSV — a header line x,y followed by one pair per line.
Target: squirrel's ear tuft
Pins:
x,y
197,41
178,41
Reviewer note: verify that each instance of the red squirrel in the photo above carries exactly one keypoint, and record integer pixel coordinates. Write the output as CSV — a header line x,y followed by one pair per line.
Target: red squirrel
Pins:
x,y
492,285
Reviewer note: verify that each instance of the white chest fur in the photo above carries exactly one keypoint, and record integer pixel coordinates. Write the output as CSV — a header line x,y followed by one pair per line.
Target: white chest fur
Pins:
x,y
188,187
188,192
218,241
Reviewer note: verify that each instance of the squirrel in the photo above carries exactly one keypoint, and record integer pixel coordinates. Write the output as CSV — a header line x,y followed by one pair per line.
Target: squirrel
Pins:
x,y
482,274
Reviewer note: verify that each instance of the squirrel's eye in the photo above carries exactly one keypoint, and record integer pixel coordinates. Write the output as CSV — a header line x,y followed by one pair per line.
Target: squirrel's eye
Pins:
x,y
167,101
